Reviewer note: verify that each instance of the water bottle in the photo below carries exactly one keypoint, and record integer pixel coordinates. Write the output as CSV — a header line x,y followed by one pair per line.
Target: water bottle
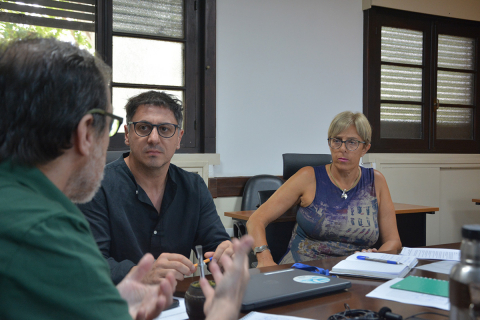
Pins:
x,y
464,286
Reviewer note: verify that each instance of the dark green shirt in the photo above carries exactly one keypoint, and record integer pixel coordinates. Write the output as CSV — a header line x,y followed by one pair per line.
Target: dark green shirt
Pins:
x,y
50,266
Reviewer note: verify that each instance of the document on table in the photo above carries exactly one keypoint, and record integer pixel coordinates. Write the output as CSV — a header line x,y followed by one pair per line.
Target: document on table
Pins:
x,y
441,266
266,316
420,299
178,313
430,253
373,269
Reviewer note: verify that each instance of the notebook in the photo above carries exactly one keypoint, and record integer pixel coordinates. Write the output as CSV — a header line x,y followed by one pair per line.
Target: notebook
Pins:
x,y
423,285
270,288
352,266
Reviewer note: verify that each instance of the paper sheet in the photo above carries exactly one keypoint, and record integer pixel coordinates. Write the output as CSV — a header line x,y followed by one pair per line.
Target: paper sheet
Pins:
x,y
441,266
265,316
178,313
420,299
434,254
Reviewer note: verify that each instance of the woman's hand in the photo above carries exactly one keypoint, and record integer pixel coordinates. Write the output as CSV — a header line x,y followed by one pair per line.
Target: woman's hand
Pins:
x,y
265,259
387,221
368,250
298,190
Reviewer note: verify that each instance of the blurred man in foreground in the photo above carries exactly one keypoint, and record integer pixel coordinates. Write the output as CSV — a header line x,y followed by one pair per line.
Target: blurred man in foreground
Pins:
x,y
54,131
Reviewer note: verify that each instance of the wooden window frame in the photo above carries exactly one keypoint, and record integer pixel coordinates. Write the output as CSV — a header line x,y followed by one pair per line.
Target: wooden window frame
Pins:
x,y
200,114
431,25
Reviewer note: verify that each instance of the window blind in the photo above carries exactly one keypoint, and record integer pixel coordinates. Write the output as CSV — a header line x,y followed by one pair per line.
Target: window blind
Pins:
x,y
404,83
74,15
149,17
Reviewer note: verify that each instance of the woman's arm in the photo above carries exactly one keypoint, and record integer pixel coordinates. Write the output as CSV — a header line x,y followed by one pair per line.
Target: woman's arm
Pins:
x,y
387,222
299,189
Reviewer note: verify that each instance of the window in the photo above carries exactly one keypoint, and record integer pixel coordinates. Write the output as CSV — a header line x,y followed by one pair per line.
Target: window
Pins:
x,y
71,21
166,45
421,82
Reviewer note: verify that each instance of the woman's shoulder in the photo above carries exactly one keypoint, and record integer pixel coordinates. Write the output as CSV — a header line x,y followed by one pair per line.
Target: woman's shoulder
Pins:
x,y
303,179
304,174
378,174
379,178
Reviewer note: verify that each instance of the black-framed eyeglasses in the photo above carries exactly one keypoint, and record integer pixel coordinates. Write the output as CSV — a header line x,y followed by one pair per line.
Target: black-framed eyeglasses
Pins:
x,y
144,128
114,125
350,144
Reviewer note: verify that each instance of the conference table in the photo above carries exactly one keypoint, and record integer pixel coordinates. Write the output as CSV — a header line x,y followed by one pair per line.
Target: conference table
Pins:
x,y
411,221
323,306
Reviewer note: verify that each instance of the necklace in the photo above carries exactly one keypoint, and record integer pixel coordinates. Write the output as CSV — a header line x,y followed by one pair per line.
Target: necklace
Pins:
x,y
344,194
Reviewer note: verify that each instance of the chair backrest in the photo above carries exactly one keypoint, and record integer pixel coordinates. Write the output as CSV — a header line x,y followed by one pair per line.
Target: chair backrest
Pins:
x,y
265,195
292,162
251,198
114,155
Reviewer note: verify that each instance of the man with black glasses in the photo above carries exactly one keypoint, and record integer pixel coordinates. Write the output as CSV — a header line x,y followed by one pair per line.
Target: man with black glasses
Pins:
x,y
148,205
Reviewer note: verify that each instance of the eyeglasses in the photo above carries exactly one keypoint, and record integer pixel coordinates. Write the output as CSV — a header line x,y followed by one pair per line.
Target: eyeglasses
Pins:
x,y
350,144
143,128
114,125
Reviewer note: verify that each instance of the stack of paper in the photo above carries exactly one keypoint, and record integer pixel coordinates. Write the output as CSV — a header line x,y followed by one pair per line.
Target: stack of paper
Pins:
x,y
385,291
373,269
432,253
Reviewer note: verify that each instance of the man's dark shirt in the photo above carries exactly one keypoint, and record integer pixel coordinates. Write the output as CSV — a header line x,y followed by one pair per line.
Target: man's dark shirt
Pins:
x,y
126,225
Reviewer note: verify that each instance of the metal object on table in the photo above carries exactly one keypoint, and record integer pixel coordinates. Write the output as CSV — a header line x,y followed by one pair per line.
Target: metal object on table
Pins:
x,y
201,264
464,286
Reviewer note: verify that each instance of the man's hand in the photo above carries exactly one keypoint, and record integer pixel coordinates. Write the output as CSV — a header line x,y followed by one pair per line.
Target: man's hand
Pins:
x,y
224,302
146,301
224,248
174,263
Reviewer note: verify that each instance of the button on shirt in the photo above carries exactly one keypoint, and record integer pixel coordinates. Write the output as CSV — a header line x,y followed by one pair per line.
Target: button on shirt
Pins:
x,y
126,225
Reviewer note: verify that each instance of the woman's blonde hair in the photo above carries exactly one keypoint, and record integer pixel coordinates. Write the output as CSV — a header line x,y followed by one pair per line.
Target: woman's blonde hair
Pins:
x,y
346,119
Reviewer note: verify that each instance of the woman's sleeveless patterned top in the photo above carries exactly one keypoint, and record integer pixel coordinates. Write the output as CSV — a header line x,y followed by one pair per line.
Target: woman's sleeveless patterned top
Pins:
x,y
332,225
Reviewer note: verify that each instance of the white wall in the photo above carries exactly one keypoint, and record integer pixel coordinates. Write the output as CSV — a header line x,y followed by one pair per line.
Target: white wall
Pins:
x,y
284,70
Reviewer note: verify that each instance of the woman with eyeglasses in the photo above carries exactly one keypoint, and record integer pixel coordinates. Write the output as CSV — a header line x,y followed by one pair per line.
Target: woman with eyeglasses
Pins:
x,y
342,207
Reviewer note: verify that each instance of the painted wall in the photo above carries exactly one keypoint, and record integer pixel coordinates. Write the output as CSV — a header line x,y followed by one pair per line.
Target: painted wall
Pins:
x,y
284,70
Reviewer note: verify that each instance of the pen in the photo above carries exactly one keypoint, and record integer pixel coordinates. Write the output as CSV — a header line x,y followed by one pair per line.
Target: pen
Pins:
x,y
206,261
377,260
201,263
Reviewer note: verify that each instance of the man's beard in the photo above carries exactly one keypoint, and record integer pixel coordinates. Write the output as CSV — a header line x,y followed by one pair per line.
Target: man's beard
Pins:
x,y
84,183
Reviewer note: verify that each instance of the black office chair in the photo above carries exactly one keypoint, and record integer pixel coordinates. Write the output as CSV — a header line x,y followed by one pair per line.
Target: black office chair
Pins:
x,y
292,162
251,201
114,155
278,233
